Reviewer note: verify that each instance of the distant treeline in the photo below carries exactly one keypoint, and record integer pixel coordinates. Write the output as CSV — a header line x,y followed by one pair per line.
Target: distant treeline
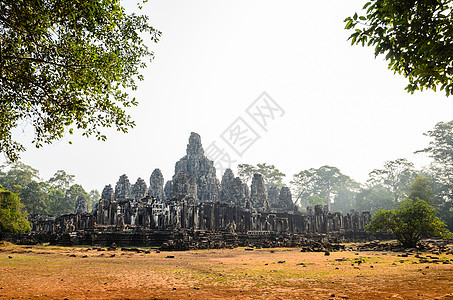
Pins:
x,y
56,196
385,188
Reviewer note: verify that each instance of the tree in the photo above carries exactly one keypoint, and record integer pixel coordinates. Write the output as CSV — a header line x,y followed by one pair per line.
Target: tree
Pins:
x,y
71,196
271,175
421,189
440,149
68,65
374,198
17,175
326,182
412,221
61,180
34,198
313,200
94,198
414,36
13,219
397,176
344,200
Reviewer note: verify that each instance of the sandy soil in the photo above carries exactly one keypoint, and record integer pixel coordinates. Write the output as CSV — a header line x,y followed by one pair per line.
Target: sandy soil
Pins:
x,y
47,272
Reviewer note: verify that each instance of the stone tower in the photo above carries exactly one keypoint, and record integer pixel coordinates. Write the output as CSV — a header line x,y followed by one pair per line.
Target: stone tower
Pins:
x,y
156,185
196,164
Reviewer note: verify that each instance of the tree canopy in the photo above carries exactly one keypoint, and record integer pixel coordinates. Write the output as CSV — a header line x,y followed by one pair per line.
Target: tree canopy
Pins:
x,y
68,65
271,175
413,220
397,176
55,196
415,37
326,182
440,171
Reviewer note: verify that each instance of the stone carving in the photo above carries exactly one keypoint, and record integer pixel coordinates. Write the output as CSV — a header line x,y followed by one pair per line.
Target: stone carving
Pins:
x,y
81,205
107,192
196,164
233,191
122,189
184,187
156,185
139,190
258,195
226,192
189,206
285,199
272,195
168,190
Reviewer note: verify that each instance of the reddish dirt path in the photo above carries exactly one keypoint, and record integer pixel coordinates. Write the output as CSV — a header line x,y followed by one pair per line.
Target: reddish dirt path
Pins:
x,y
45,272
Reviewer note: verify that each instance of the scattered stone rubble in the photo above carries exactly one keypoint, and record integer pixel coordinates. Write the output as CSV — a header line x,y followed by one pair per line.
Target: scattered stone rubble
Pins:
x,y
194,204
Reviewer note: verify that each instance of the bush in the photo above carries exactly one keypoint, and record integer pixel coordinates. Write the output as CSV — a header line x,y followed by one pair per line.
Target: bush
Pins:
x,y
13,219
413,220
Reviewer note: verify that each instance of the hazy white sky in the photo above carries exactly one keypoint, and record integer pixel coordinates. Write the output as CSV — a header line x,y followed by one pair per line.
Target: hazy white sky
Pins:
x,y
342,107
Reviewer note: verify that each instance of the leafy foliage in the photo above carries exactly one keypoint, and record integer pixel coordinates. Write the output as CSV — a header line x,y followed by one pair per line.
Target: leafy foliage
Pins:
x,y
13,219
271,175
414,36
440,171
374,198
410,222
397,176
421,189
326,182
68,65
56,196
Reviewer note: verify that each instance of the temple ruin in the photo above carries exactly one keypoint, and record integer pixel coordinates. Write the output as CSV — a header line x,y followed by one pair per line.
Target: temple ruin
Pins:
x,y
193,204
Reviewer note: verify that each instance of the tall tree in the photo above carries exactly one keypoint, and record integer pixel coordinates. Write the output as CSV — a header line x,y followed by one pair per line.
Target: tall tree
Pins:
x,y
271,175
68,65
94,198
326,182
17,175
34,198
440,150
61,180
421,189
397,176
374,198
414,36
344,200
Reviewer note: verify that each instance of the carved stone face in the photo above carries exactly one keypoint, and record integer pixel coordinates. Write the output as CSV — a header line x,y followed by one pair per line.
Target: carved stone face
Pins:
x,y
194,147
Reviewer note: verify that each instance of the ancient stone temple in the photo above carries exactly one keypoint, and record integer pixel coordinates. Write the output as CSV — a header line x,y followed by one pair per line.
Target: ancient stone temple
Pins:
x,y
122,189
107,192
272,195
194,204
196,164
184,187
139,189
233,191
226,192
258,195
81,205
285,200
168,189
156,185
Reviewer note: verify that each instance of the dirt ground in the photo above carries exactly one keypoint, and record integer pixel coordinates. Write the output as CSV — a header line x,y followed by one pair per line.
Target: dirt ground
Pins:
x,y
47,272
